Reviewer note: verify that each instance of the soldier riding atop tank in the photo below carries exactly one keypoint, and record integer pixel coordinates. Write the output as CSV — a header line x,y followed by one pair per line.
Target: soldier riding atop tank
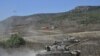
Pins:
x,y
57,46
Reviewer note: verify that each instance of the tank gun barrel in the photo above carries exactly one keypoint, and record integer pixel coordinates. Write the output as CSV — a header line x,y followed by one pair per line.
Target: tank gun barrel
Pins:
x,y
77,43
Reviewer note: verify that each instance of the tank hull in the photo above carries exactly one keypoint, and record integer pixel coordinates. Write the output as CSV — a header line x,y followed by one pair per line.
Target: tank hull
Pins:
x,y
56,54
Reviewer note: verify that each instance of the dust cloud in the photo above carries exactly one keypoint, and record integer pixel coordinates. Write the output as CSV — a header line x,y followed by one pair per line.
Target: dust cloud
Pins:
x,y
18,52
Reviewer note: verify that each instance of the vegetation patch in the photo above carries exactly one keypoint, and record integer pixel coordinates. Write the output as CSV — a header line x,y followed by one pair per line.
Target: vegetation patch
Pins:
x,y
15,40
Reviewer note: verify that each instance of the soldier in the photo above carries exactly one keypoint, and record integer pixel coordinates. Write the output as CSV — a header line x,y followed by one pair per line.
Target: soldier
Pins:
x,y
48,48
66,48
55,43
78,53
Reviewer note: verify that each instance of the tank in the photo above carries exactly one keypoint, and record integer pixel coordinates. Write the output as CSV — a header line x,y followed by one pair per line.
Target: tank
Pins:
x,y
60,49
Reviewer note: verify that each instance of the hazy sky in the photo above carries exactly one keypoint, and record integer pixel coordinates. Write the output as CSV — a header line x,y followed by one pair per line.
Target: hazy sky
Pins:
x,y
28,7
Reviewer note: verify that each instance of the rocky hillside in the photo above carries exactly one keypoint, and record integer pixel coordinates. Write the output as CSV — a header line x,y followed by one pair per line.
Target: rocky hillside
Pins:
x,y
80,19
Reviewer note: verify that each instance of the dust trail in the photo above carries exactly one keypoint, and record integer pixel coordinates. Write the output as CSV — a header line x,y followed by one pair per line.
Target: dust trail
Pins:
x,y
18,52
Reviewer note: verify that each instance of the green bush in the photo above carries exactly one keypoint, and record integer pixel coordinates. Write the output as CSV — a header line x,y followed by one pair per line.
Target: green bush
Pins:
x,y
15,41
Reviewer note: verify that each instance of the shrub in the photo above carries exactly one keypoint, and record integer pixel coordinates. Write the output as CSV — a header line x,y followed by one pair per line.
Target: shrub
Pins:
x,y
15,41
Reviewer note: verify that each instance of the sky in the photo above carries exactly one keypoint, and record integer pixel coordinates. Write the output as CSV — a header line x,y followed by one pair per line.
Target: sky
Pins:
x,y
28,7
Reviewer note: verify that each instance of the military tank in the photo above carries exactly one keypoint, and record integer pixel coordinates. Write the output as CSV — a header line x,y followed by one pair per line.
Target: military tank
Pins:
x,y
60,49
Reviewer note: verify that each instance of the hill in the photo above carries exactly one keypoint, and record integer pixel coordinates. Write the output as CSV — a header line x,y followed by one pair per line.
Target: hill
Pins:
x,y
80,19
